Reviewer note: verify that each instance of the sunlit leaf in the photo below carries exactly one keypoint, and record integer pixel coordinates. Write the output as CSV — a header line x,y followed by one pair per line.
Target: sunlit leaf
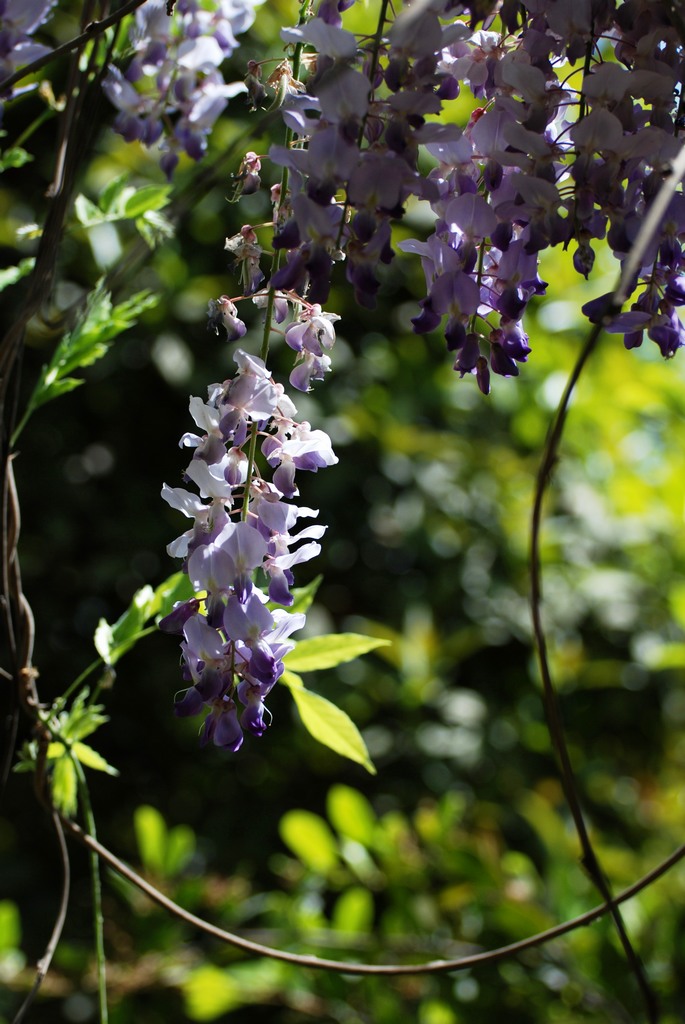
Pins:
x,y
328,723
353,911
175,588
154,227
328,651
14,157
10,925
64,785
82,719
10,275
103,638
88,342
351,814
151,836
113,641
87,212
179,849
91,759
149,197
115,194
310,839
210,992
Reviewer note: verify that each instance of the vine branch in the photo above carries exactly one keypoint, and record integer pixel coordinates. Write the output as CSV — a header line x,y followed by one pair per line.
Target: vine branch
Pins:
x,y
550,454
348,967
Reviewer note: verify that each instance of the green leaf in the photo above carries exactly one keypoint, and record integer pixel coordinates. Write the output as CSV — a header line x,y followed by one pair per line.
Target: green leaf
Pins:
x,y
89,341
351,814
150,197
174,588
103,638
112,641
328,651
82,719
10,925
87,213
154,228
151,834
327,723
210,992
310,839
128,627
14,157
120,201
163,851
115,194
179,849
55,388
91,759
10,275
63,784
353,912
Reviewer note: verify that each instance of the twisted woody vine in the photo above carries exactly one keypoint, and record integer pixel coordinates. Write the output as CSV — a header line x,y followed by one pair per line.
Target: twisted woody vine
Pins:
x,y
573,141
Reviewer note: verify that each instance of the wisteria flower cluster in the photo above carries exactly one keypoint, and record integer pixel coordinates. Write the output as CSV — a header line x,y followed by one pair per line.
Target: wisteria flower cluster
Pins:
x,y
574,122
234,640
575,127
173,89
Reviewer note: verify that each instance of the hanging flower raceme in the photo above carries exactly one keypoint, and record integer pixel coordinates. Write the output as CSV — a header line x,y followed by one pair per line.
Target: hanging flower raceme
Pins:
x,y
173,90
235,635
566,148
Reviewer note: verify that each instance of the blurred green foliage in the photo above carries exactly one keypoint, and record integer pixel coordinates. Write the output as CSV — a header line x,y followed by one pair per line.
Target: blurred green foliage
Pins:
x,y
461,842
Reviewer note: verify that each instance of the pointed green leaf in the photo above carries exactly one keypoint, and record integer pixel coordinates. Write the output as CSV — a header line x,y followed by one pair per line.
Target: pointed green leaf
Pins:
x,y
154,227
10,925
87,212
210,992
14,157
64,785
103,640
180,848
151,834
328,651
113,641
126,629
310,839
174,588
353,912
91,759
55,388
150,197
328,723
10,275
351,814
89,341
82,719
111,192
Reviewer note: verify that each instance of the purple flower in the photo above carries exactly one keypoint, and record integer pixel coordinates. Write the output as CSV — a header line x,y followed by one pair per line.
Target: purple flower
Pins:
x,y
221,726
223,313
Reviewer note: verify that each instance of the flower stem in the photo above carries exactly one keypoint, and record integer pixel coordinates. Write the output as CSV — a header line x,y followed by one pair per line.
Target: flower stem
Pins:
x,y
271,297
96,889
